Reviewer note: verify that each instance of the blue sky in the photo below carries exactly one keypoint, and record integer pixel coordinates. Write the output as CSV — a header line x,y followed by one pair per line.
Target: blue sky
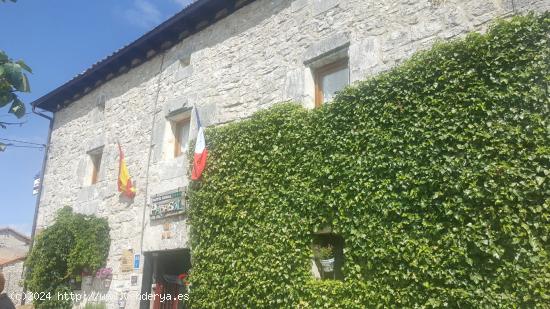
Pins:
x,y
59,39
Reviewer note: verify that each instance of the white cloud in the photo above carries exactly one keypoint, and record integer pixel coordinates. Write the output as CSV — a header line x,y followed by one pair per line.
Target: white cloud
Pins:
x,y
143,14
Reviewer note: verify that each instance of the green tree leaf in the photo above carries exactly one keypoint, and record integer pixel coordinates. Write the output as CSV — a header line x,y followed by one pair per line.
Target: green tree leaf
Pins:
x,y
24,66
17,108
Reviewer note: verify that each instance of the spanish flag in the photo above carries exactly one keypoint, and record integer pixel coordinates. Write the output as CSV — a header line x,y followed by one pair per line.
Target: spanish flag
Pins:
x,y
124,181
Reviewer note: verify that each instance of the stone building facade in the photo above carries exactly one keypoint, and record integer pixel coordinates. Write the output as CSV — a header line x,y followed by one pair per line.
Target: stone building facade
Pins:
x,y
245,59
13,251
13,271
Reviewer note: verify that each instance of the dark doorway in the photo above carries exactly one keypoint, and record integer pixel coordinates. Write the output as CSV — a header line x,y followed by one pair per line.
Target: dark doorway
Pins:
x,y
162,272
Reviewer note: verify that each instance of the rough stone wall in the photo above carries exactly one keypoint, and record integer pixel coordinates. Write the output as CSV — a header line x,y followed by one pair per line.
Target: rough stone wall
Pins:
x,y
14,288
258,56
78,129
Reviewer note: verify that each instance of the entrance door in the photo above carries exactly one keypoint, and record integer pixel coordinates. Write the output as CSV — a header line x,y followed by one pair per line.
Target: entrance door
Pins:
x,y
161,270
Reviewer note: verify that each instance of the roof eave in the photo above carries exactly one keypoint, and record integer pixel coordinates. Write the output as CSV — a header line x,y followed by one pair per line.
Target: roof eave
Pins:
x,y
192,19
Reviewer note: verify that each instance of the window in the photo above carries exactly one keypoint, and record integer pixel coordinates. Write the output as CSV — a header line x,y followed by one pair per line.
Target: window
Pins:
x,y
99,110
180,128
95,158
328,256
329,79
175,140
101,103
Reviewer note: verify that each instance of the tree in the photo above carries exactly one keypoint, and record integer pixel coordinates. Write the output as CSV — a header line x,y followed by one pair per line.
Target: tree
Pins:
x,y
61,252
13,79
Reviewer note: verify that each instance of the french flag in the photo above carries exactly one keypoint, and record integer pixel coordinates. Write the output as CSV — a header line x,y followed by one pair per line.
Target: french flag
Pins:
x,y
199,161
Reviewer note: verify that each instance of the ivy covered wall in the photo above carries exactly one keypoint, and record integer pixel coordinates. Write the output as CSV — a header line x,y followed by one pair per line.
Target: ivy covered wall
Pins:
x,y
434,173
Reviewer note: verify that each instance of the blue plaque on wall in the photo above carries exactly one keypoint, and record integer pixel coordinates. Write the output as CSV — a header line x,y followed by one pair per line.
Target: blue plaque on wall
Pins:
x,y
136,261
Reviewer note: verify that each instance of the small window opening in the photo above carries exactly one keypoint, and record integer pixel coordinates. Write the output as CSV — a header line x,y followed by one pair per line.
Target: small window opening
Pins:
x,y
98,112
180,128
328,256
330,79
101,103
95,158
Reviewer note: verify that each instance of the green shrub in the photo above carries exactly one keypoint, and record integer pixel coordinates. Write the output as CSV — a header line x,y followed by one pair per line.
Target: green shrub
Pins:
x,y
75,242
434,173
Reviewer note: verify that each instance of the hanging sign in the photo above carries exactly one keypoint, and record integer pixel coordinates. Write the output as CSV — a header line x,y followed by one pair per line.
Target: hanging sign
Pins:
x,y
36,185
167,204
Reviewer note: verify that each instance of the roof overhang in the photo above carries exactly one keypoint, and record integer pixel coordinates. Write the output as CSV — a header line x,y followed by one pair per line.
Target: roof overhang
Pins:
x,y
192,19
21,235
6,262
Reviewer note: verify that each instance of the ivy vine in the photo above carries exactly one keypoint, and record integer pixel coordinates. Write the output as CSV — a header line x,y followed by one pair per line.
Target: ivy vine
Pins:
x,y
436,174
74,243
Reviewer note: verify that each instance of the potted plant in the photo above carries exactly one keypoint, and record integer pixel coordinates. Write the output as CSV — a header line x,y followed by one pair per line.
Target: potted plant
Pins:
x,y
106,275
325,254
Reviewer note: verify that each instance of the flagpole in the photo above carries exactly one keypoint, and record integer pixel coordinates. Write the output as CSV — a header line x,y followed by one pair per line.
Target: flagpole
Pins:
x,y
197,116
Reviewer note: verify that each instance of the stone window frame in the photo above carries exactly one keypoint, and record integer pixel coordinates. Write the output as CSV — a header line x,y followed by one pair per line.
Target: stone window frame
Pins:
x,y
324,237
99,108
101,100
185,67
320,55
175,120
323,71
95,158
177,128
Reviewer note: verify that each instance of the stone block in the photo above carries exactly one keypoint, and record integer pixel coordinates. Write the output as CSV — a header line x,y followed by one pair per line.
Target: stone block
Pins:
x,y
109,188
184,72
298,5
364,56
174,168
321,6
207,114
330,45
482,7
81,171
84,195
294,86
95,142
153,239
173,106
87,208
158,138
